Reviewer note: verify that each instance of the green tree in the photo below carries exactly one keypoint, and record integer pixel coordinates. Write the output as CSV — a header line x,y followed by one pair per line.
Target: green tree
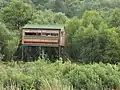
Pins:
x,y
114,19
9,41
91,17
109,44
77,7
3,3
91,45
4,33
60,6
10,47
44,4
90,39
48,17
104,5
16,14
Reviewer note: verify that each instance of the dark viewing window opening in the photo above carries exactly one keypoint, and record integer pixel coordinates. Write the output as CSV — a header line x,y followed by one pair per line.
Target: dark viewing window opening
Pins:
x,y
27,33
54,34
32,33
39,34
49,34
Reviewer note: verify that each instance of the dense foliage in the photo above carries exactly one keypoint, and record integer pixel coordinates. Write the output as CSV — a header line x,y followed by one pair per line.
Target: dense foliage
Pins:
x,y
48,17
42,75
93,35
92,39
92,26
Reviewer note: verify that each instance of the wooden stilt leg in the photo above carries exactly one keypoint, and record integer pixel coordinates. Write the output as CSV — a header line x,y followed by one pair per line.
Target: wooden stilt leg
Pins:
x,y
59,52
22,52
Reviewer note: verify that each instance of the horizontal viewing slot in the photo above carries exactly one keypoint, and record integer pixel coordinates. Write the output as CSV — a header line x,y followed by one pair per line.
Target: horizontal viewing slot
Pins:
x,y
25,42
27,33
41,34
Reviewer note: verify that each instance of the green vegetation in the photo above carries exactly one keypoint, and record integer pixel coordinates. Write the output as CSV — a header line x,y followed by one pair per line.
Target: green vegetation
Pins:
x,y
43,75
92,26
93,36
91,39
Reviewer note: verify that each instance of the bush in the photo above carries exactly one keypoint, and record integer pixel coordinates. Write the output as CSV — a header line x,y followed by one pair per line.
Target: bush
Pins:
x,y
95,77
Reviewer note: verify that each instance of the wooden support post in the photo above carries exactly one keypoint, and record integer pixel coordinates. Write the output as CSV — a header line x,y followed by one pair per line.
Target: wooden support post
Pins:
x,y
59,52
39,52
59,44
22,53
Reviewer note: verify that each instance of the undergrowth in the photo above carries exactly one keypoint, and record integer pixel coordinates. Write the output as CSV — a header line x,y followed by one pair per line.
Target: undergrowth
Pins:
x,y
43,75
